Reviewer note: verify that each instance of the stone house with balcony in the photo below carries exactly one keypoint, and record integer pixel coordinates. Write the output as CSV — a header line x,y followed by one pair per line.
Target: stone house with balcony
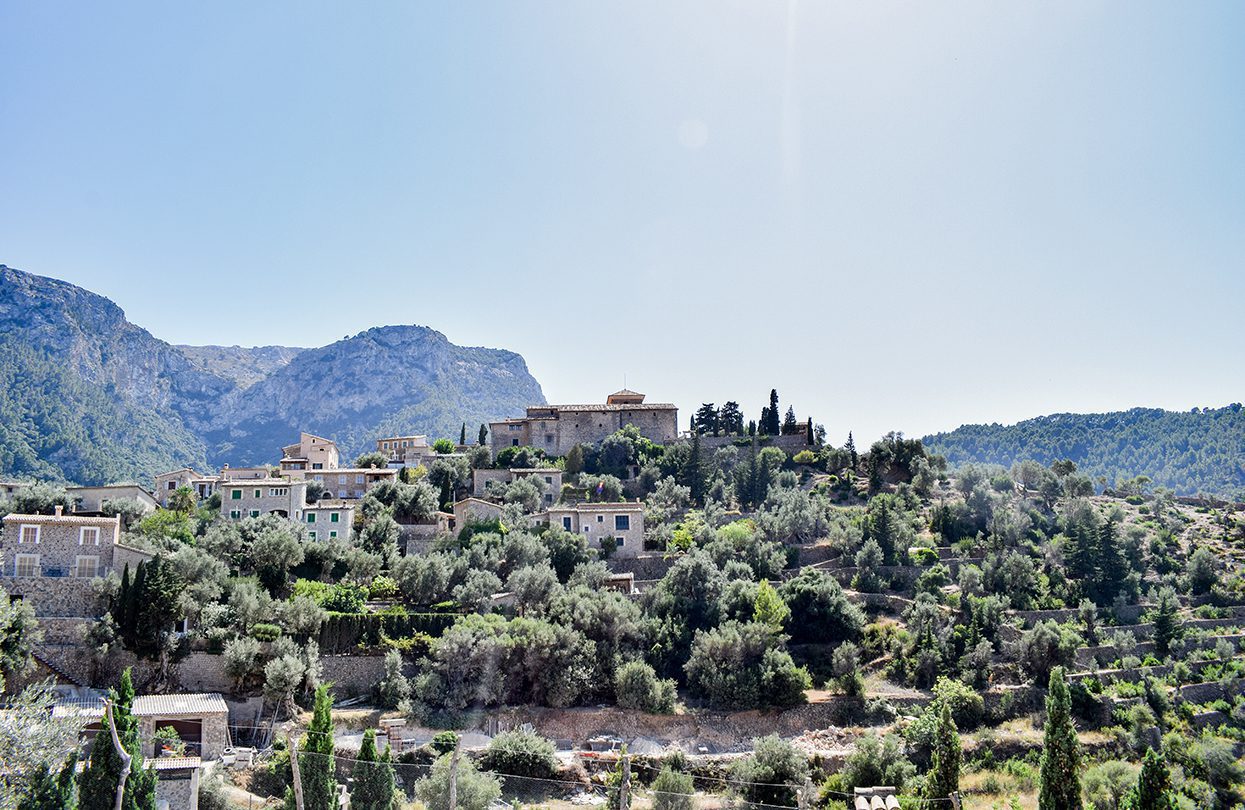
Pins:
x,y
351,483
328,520
253,498
49,561
91,499
167,483
623,521
310,452
557,428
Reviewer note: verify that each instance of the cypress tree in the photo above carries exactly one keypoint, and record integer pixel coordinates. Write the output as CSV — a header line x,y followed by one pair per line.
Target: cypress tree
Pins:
x,y
1059,777
124,611
134,606
808,434
773,426
318,766
694,471
483,437
373,777
447,503
1165,626
462,434
1154,783
944,770
49,791
97,784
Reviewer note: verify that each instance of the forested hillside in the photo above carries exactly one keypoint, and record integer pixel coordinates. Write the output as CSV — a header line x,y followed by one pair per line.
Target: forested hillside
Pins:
x,y
90,398
1192,452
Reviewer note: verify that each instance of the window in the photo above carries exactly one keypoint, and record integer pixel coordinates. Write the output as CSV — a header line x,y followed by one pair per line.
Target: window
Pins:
x,y
316,465
259,493
548,438
86,567
600,518
254,513
88,536
234,514
172,485
620,541
311,517
26,565
332,534
548,479
341,493
235,495
29,534
566,523
622,523
358,479
333,517
311,535
548,499
319,478
514,442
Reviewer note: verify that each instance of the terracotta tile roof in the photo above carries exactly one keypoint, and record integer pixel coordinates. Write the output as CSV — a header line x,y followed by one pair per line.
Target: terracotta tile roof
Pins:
x,y
73,520
172,763
645,406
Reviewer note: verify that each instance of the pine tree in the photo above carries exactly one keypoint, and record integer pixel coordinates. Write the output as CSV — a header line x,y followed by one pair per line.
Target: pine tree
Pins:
x,y
462,434
706,419
316,762
1154,784
97,784
850,447
1060,780
772,427
694,471
373,777
789,422
53,791
1166,627
944,770
483,437
1112,567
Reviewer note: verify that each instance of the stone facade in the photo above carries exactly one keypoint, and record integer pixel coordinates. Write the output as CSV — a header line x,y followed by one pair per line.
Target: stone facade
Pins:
x,y
282,496
310,452
50,561
469,509
596,521
328,519
557,428
201,719
91,499
409,450
351,483
177,785
549,479
167,483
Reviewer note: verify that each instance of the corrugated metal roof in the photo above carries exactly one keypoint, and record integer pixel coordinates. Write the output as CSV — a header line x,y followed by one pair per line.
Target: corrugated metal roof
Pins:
x,y
202,703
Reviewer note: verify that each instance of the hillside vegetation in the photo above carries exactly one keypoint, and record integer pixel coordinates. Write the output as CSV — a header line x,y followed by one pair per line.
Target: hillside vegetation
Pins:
x,y
91,398
1201,451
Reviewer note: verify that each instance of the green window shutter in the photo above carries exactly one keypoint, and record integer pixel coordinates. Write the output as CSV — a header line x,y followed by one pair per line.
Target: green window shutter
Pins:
x,y
236,495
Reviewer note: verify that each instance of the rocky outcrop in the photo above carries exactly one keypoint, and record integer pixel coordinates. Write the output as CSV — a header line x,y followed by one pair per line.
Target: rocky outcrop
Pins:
x,y
90,397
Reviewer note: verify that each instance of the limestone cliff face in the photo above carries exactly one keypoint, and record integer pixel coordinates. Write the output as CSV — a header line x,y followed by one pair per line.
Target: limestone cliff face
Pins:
x,y
90,397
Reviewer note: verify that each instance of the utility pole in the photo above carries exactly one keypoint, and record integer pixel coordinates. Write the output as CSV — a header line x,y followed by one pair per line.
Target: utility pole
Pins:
x,y
624,787
453,777
121,752
298,777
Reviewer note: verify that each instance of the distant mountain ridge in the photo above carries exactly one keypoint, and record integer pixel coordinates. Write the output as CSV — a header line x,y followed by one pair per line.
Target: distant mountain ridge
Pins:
x,y
89,397
1201,451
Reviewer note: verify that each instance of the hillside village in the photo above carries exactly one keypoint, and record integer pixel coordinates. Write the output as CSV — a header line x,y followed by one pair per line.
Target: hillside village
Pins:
x,y
588,605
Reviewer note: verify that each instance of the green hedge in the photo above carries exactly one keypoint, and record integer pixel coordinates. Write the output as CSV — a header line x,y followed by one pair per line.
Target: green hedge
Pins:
x,y
346,632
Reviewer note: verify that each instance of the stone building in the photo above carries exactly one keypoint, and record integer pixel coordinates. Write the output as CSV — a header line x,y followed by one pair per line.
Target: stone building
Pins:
x,y
167,483
327,520
91,499
228,473
557,428
408,450
351,483
550,480
623,521
10,488
49,561
473,509
252,498
310,452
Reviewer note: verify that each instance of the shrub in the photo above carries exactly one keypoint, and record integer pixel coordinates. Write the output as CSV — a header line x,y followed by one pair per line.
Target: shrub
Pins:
x,y
444,742
636,686
443,446
383,588
475,790
804,457
265,632
520,753
672,790
771,775
344,597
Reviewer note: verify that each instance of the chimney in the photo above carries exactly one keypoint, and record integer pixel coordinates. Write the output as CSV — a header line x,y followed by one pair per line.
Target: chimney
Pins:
x,y
59,510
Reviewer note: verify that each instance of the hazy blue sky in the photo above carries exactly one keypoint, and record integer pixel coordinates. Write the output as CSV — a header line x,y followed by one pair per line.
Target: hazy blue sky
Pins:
x,y
903,216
